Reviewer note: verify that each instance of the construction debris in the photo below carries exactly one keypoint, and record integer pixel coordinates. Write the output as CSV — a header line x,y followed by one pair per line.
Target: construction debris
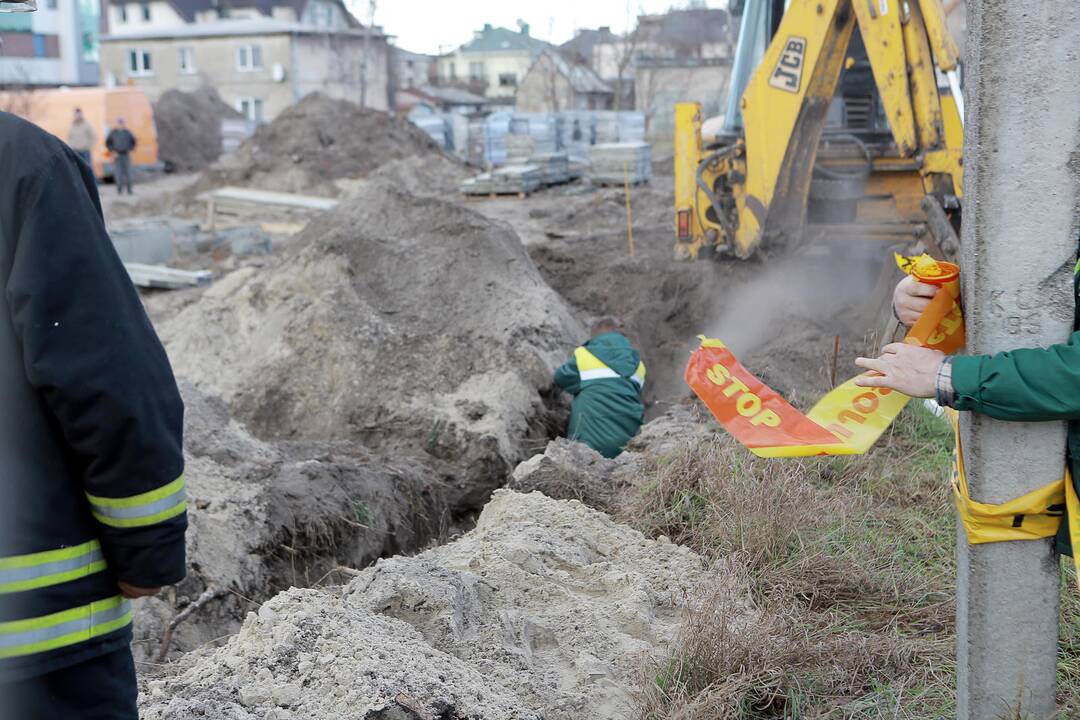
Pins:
x,y
315,142
546,610
244,203
617,163
166,278
189,127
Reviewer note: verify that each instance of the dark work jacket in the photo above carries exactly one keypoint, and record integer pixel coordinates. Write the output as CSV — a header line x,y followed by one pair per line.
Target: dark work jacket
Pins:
x,y
91,467
120,141
606,378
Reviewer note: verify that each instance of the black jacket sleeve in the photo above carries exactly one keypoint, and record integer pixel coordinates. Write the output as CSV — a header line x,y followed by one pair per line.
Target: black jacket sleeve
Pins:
x,y
91,353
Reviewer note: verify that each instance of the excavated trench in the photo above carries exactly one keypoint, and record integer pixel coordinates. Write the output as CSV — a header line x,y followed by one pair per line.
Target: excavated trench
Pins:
x,y
362,395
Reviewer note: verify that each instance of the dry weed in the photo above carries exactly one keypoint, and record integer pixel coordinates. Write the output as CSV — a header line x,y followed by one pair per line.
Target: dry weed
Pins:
x,y
849,562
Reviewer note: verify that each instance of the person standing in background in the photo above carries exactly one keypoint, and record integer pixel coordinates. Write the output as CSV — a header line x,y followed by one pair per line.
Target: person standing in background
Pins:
x,y
81,138
120,143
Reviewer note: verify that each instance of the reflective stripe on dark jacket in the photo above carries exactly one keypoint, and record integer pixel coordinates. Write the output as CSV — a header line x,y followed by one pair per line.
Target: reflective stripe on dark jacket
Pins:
x,y
606,378
91,487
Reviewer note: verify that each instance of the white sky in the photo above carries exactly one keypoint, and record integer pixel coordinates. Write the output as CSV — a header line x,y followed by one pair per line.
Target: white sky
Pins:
x,y
434,26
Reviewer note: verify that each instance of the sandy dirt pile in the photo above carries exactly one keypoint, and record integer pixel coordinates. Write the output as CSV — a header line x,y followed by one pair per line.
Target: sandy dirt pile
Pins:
x,y
569,470
547,609
413,326
268,515
428,175
315,142
189,127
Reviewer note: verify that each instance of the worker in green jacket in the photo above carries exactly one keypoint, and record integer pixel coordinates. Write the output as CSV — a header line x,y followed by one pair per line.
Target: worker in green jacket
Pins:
x,y
606,378
1024,385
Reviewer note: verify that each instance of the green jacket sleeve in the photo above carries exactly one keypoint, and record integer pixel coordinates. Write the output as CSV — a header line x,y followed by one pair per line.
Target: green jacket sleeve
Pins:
x,y
1031,384
568,378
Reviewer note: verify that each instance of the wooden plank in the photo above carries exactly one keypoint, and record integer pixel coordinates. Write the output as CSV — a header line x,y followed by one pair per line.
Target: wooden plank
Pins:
x,y
159,276
266,197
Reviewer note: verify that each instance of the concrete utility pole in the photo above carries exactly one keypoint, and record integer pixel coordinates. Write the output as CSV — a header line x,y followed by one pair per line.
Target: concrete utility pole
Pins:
x,y
1022,190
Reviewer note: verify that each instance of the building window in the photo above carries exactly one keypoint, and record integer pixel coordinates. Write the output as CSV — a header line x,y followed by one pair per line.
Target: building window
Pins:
x,y
508,80
251,108
187,60
452,72
50,4
39,45
248,58
476,71
146,12
123,13
139,63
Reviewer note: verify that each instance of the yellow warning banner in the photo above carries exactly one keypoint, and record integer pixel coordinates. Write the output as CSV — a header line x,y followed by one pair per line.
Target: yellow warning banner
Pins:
x,y
846,421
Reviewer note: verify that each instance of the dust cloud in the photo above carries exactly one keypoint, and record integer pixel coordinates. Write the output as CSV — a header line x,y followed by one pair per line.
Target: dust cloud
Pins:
x,y
783,325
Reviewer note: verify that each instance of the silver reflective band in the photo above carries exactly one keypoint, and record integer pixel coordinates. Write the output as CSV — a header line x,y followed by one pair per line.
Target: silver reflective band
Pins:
x,y
86,624
142,511
23,574
598,373
639,380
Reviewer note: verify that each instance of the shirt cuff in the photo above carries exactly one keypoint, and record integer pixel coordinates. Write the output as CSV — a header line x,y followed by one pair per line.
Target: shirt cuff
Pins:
x,y
944,393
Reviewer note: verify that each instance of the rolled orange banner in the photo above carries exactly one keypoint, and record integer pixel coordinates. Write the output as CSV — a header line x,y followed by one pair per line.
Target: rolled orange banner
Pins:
x,y
849,419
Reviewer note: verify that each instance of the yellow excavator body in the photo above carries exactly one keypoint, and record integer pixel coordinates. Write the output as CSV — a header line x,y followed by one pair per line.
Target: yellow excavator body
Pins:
x,y
840,127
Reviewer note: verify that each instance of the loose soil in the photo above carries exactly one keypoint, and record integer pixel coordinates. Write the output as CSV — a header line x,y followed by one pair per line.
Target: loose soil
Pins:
x,y
315,142
189,127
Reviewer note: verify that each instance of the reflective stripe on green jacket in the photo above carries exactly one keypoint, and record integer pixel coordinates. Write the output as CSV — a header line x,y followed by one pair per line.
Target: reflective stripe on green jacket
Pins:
x,y
1028,385
606,378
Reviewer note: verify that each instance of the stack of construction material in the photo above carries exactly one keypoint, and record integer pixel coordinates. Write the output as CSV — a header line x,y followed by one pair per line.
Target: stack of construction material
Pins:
x,y
541,127
605,127
517,179
479,185
615,163
487,140
519,148
631,126
555,167
576,134
509,180
436,128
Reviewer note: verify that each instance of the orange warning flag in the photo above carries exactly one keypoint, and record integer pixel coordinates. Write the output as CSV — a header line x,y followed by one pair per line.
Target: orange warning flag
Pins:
x,y
849,419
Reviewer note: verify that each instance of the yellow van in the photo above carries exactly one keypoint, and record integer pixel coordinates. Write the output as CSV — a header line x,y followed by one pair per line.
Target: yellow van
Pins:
x,y
53,110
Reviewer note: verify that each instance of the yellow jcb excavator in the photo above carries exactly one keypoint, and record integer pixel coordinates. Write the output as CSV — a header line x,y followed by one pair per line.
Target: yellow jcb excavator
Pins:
x,y
844,121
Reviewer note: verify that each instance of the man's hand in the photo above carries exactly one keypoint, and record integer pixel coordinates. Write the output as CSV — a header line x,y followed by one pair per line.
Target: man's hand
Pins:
x,y
910,298
131,592
909,369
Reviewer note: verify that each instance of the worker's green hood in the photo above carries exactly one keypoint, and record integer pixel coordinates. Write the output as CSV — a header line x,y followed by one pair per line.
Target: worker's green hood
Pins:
x,y
615,351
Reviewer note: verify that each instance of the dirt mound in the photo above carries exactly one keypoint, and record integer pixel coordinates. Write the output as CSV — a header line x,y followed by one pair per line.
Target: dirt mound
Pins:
x,y
546,609
189,127
569,470
410,325
428,175
315,142
264,516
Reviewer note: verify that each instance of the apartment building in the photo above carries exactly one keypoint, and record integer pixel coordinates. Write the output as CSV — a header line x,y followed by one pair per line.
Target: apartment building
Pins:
x,y
261,55
57,45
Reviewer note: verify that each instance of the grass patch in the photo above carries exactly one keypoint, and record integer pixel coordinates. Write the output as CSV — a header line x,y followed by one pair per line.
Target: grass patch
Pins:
x,y
849,562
